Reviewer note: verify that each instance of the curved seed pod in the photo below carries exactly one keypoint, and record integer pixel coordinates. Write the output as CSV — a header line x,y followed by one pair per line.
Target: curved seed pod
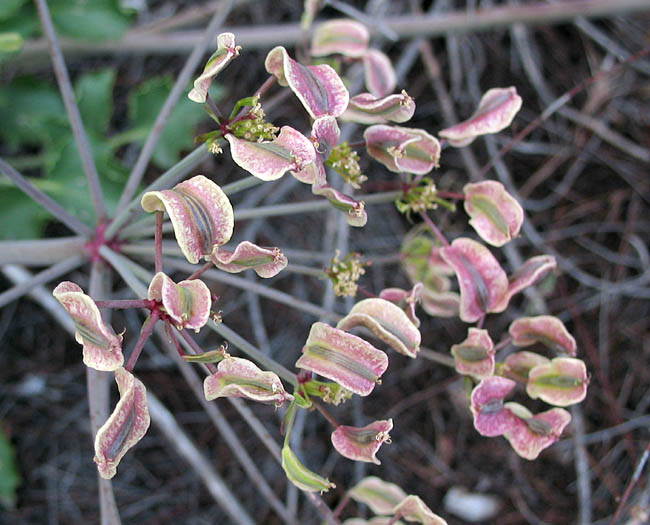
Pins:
x,y
365,108
362,444
201,215
517,366
301,476
530,272
545,329
102,349
125,427
225,53
345,358
319,88
236,377
381,496
266,262
379,73
355,212
475,355
405,299
387,321
414,509
187,303
495,214
483,283
270,160
530,434
490,417
402,149
342,36
495,112
562,382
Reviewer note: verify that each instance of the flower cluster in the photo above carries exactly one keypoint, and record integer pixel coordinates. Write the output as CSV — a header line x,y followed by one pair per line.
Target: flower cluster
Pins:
x,y
345,273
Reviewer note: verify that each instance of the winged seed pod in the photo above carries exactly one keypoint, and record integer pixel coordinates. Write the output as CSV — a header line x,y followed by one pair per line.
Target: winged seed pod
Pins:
x,y
267,262
187,303
495,214
387,321
475,355
342,36
126,425
495,112
530,272
412,508
201,215
237,377
269,160
319,88
381,496
517,366
562,382
225,53
301,476
530,434
486,403
102,349
379,74
362,444
345,358
405,299
365,108
402,149
545,329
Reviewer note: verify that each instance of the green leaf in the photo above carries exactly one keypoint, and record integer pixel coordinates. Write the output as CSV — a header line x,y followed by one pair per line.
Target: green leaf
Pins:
x,y
144,104
95,20
9,477
94,92
9,8
26,217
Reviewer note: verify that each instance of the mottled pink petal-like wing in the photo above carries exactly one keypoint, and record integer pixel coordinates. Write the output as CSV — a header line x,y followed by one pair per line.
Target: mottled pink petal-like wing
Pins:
x,y
381,496
270,160
342,36
102,349
405,299
495,112
412,508
402,149
379,73
518,365
529,437
562,382
495,214
440,304
387,321
226,51
355,212
125,427
530,272
483,283
326,132
475,355
201,215
490,417
368,109
236,377
362,444
187,303
345,358
266,262
544,329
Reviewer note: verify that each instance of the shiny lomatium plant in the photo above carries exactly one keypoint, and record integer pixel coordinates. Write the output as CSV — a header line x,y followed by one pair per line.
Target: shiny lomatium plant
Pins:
x,y
340,361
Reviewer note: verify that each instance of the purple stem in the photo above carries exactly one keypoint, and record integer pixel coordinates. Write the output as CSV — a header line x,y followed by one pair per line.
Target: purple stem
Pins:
x,y
124,304
145,333
200,271
434,228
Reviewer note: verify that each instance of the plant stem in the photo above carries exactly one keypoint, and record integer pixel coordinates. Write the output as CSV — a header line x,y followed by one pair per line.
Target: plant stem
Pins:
x,y
200,271
145,333
437,357
63,80
158,242
167,179
122,267
44,200
162,118
434,229
45,276
39,252
451,195
123,304
325,413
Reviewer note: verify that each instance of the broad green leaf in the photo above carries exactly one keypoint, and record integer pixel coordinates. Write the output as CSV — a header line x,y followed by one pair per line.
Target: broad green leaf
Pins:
x,y
26,218
144,104
9,8
9,476
94,93
95,20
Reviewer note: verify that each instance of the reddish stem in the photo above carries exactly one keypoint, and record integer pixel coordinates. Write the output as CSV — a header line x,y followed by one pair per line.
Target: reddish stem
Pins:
x,y
325,413
503,344
479,325
339,508
365,292
127,303
145,333
451,195
394,519
172,336
200,271
434,228
268,83
213,107
158,241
